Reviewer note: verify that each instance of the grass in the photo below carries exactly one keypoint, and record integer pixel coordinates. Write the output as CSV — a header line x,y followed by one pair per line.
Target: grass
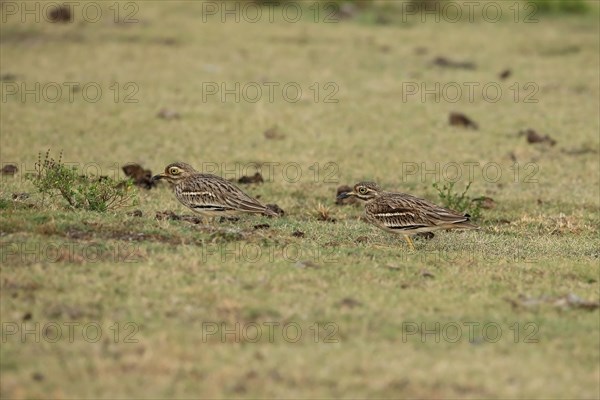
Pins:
x,y
354,291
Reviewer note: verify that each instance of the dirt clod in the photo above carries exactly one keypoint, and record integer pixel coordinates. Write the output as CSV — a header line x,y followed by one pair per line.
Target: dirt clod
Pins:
x,y
361,239
349,302
278,210
426,235
37,376
459,119
60,14
505,74
141,177
273,133
170,215
10,169
256,178
534,137
487,203
447,63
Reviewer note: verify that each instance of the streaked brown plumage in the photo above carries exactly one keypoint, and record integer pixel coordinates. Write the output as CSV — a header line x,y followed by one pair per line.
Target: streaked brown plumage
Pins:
x,y
209,195
405,214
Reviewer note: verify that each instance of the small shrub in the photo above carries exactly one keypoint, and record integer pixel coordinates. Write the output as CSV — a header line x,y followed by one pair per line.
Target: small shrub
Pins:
x,y
458,202
53,178
560,6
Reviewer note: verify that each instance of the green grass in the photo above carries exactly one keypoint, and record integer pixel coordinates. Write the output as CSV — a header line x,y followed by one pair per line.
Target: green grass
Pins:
x,y
361,287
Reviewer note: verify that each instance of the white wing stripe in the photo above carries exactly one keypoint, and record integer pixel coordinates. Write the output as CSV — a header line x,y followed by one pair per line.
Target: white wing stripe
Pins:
x,y
198,194
394,214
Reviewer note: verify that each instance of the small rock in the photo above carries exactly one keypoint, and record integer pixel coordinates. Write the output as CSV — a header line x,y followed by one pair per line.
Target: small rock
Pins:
x,y
168,114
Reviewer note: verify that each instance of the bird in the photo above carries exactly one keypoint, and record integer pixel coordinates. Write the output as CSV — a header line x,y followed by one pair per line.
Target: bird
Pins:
x,y
405,214
209,195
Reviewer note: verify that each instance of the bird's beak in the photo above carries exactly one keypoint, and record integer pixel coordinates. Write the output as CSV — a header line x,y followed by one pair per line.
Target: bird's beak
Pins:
x,y
345,195
157,177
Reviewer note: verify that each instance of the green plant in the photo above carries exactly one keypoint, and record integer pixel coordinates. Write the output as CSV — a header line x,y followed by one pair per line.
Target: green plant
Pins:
x,y
81,192
459,202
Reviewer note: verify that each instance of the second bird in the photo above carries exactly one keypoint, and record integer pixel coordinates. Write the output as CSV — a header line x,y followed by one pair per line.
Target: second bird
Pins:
x,y
405,214
209,195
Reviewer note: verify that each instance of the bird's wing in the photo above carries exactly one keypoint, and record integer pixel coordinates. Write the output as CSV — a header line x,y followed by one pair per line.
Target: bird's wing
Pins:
x,y
436,214
199,196
421,211
397,215
216,193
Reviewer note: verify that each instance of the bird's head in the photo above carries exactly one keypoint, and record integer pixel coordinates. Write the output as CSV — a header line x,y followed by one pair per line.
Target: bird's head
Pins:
x,y
364,191
176,172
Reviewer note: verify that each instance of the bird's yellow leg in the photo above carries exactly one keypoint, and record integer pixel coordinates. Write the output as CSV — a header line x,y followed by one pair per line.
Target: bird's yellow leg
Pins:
x,y
410,242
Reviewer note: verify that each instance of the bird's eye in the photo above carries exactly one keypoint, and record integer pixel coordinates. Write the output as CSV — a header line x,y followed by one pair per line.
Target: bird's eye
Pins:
x,y
174,171
363,190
